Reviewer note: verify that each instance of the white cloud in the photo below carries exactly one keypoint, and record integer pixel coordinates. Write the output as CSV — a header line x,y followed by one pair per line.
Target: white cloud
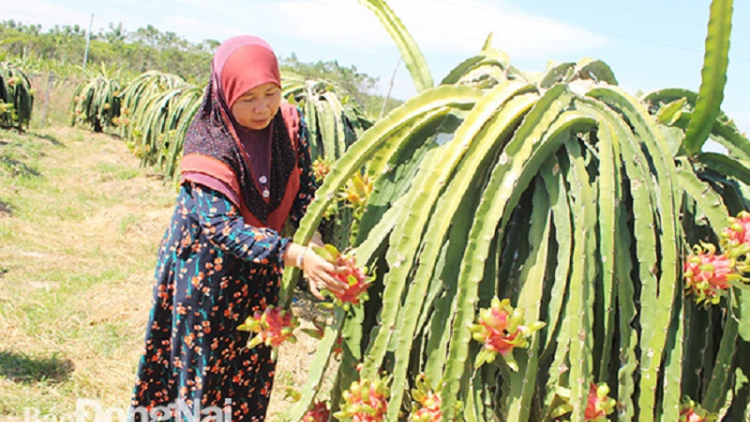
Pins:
x,y
439,26
461,27
198,19
194,20
444,26
44,13
344,23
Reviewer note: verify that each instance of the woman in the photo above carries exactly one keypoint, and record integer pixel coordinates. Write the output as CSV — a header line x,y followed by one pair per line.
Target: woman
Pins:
x,y
246,171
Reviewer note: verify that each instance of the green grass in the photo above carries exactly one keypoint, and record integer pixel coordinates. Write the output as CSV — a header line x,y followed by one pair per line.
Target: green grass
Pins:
x,y
111,171
18,156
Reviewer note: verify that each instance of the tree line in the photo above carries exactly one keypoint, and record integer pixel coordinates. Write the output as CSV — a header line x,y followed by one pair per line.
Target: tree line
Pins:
x,y
148,48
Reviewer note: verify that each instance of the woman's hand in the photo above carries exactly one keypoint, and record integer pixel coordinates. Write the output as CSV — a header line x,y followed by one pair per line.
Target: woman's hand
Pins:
x,y
318,271
319,274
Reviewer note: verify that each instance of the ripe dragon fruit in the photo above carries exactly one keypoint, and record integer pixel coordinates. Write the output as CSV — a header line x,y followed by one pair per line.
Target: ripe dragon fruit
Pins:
x,y
427,402
273,327
708,275
599,403
321,167
691,411
365,401
355,277
501,328
318,413
735,239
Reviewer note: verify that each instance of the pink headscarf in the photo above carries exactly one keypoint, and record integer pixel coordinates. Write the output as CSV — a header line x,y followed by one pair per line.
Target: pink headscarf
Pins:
x,y
240,64
223,155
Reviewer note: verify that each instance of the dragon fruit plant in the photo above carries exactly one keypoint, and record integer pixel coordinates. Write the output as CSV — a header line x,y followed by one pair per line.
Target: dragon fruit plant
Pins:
x,y
568,194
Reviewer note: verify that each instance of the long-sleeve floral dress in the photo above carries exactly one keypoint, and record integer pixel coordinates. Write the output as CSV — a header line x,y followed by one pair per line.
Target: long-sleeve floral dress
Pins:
x,y
213,271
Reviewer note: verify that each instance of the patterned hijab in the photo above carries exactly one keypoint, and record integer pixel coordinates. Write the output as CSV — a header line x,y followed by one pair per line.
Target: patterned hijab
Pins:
x,y
253,166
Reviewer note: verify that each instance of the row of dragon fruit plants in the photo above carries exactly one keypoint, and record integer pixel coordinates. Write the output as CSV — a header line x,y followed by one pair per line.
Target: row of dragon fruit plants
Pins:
x,y
16,97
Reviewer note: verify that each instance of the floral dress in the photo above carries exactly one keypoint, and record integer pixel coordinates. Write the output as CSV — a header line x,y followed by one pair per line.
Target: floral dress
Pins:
x,y
213,271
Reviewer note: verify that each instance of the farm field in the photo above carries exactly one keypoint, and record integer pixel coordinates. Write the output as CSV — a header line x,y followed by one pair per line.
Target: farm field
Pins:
x,y
80,224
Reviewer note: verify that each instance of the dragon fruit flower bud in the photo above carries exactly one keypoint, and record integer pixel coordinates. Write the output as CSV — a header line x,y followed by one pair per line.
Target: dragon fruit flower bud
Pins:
x,y
427,402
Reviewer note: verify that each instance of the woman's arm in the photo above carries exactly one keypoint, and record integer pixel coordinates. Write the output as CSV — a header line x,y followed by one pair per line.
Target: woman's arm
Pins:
x,y
226,229
222,222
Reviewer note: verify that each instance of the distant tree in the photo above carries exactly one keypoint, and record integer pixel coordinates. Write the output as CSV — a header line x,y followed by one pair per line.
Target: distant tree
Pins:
x,y
148,48
209,45
359,85
346,77
115,34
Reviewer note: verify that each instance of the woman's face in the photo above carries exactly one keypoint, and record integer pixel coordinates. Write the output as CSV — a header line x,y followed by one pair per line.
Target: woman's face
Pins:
x,y
256,108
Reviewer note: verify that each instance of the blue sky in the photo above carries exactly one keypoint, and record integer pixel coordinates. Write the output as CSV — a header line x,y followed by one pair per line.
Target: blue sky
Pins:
x,y
648,44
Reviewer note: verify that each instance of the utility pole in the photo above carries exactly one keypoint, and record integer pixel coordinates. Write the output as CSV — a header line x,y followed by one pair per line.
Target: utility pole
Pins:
x,y
88,41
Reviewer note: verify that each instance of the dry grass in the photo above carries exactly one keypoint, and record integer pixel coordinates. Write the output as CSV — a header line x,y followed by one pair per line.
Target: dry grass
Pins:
x,y
79,230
